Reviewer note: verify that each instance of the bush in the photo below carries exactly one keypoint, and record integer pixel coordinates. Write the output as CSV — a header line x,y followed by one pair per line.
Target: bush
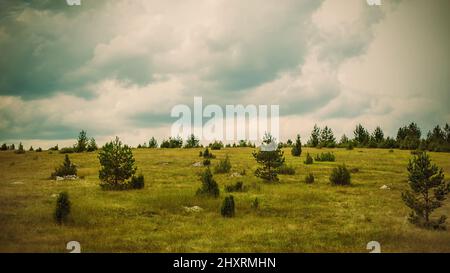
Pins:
x,y
287,170
117,164
67,168
67,151
62,209
56,148
209,185
340,176
39,150
208,154
227,209
216,145
238,187
137,182
350,146
309,179
309,160
206,162
328,156
224,166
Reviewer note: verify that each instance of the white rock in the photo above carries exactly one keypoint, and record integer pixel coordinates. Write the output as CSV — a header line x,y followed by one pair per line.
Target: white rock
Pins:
x,y
193,209
59,178
384,187
17,183
197,164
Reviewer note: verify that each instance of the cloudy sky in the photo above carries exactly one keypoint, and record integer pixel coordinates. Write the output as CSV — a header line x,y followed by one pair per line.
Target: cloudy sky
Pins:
x,y
118,67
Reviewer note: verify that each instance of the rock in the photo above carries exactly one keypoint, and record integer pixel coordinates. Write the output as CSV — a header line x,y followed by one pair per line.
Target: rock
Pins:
x,y
193,209
197,164
17,183
54,195
67,177
384,187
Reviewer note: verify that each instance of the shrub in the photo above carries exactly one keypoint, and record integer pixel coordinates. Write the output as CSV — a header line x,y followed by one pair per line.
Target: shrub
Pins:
x,y
209,185
309,179
228,209
62,209
137,182
172,143
286,169
31,149
67,168
297,148
117,164
238,187
328,156
200,154
350,146
309,160
66,151
38,150
423,178
206,162
4,147
354,170
56,148
216,145
340,176
224,166
208,154
255,204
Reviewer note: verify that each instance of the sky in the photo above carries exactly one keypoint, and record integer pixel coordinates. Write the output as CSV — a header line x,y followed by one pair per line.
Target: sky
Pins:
x,y
117,68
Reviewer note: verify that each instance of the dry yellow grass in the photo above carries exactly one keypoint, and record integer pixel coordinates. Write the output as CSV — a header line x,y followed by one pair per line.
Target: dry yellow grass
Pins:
x,y
293,216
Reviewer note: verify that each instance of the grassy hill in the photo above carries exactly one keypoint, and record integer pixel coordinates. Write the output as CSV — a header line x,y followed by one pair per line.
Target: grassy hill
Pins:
x,y
293,216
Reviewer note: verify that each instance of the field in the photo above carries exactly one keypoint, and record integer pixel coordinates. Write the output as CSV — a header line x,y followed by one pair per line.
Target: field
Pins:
x,y
293,216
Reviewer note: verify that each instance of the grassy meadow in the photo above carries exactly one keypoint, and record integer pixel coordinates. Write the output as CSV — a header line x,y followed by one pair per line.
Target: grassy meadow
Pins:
x,y
293,216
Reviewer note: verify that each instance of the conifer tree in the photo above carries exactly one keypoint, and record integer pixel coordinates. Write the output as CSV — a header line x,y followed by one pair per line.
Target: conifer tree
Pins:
x,y
297,148
428,191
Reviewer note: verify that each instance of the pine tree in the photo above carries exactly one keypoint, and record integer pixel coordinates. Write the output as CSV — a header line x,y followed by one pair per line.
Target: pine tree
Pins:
x,y
82,142
67,168
428,191
297,148
152,144
192,142
117,163
361,135
4,147
20,150
92,145
378,135
270,161
315,135
209,185
227,209
62,209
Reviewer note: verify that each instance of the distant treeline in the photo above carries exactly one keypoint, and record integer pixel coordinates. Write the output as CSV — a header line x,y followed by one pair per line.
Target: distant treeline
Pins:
x,y
408,138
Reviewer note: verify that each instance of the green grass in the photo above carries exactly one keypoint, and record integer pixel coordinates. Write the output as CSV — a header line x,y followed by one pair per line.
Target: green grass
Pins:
x,y
293,216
